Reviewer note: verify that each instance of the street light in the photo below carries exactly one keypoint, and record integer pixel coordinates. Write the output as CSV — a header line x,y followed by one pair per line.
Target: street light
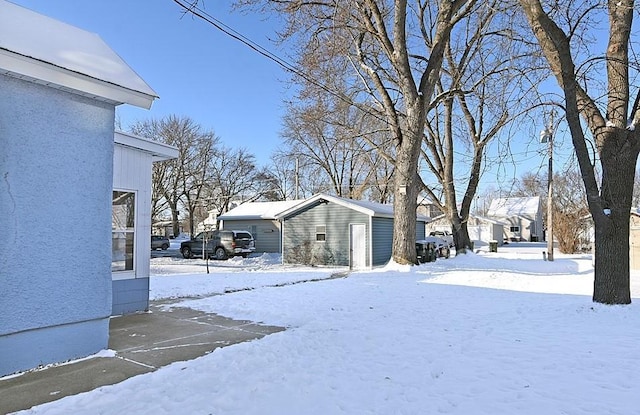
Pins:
x,y
546,136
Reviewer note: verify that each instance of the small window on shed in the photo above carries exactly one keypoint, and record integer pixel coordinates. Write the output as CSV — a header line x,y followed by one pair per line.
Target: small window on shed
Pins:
x,y
514,229
321,233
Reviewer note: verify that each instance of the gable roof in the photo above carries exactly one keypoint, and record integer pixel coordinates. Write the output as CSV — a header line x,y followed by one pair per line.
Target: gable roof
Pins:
x,y
44,50
258,210
514,206
368,208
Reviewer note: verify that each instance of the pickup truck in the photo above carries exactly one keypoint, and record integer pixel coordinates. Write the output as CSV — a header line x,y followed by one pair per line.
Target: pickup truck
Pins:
x,y
445,235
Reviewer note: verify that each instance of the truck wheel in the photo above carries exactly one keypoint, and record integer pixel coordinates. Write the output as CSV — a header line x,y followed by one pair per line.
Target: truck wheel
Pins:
x,y
186,252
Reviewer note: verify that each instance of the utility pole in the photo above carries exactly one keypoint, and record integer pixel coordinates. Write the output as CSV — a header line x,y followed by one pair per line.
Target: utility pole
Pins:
x,y
546,136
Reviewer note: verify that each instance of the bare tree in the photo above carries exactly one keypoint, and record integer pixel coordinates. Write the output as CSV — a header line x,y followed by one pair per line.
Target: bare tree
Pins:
x,y
569,210
636,191
232,177
396,51
202,152
569,205
174,178
478,94
559,28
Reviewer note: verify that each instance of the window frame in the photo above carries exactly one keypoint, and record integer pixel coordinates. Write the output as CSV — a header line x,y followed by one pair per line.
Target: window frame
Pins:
x,y
321,233
128,232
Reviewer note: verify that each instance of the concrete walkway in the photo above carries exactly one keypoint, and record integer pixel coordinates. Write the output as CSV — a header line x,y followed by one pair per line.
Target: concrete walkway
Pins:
x,y
143,343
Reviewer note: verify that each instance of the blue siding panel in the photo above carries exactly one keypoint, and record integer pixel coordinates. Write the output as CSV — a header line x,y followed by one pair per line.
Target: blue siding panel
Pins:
x,y
130,296
382,240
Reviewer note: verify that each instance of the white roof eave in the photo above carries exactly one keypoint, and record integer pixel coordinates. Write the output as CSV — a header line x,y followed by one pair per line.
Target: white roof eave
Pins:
x,y
159,151
34,70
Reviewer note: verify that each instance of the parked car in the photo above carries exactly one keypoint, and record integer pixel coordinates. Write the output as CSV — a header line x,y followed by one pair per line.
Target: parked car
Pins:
x,y
425,251
159,242
441,246
446,235
220,244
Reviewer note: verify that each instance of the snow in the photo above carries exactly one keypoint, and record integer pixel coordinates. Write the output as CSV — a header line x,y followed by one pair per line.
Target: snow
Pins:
x,y
45,39
514,206
259,210
484,333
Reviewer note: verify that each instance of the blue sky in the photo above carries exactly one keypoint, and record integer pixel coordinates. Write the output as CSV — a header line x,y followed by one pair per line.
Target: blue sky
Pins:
x,y
196,70
223,85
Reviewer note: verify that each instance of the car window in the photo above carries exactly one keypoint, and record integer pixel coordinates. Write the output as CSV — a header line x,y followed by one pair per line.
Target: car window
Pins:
x,y
243,235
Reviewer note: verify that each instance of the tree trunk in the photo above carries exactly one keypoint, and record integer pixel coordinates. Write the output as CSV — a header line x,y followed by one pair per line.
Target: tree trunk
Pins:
x,y
405,202
460,233
175,222
611,282
617,146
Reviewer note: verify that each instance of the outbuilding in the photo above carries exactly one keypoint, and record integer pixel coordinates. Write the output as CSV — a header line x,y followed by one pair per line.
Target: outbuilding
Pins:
x,y
60,87
330,230
259,218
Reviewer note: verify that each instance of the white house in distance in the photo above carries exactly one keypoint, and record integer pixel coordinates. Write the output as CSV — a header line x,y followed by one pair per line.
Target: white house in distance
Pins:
x,y
481,229
60,86
522,217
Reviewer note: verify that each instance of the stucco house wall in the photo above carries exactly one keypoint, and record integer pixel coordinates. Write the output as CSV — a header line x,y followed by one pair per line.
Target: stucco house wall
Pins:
x,y
56,174
55,266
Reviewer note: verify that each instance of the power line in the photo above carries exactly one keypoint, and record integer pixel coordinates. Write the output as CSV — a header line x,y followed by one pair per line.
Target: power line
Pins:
x,y
194,9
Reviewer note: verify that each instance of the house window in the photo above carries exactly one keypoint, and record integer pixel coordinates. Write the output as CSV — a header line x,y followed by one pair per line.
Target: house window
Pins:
x,y
514,229
122,230
321,233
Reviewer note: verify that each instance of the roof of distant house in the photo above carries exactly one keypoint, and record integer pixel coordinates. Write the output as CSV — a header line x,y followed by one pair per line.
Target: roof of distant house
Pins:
x,y
259,210
514,206
37,47
364,206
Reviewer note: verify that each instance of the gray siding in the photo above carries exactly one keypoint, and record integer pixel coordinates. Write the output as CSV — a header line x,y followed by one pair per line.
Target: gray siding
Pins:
x,y
300,245
382,240
420,229
265,232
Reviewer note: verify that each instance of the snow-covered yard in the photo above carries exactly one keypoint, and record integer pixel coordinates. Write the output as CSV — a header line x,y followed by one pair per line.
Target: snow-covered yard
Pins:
x,y
501,333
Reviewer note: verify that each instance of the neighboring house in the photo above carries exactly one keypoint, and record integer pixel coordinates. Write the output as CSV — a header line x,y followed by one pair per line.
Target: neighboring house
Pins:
x,y
427,208
329,230
165,228
133,160
60,86
259,218
522,217
480,229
